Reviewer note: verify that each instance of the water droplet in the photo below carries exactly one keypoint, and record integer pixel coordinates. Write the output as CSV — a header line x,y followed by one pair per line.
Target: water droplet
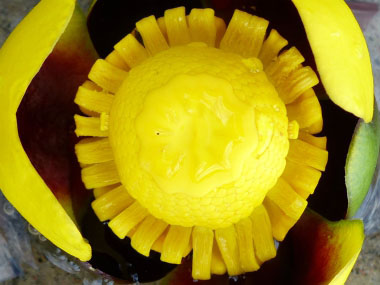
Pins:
x,y
8,209
234,278
76,267
42,238
135,278
32,230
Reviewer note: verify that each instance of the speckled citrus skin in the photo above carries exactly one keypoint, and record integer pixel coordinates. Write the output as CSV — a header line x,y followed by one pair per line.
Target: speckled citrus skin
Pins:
x,y
235,193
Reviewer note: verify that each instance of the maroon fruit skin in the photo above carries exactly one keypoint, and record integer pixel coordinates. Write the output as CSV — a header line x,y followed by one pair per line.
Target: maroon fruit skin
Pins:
x,y
46,124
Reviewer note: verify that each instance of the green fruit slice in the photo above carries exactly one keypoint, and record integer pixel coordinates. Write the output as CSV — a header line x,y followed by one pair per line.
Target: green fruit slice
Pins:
x,y
361,162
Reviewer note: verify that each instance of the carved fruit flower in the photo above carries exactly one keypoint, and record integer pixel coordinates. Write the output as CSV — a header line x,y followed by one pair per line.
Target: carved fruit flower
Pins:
x,y
196,136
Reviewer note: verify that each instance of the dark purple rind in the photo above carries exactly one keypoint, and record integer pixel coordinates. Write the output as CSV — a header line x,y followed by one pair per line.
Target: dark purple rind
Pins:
x,y
46,125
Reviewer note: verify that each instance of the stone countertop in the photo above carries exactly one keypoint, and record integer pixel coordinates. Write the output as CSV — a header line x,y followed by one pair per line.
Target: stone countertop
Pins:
x,y
41,269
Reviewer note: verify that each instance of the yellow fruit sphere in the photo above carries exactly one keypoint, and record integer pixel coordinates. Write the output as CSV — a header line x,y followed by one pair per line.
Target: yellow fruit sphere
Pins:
x,y
199,135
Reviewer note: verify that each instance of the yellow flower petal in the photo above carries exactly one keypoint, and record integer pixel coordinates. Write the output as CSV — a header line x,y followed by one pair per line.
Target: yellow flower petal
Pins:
x,y
21,57
341,54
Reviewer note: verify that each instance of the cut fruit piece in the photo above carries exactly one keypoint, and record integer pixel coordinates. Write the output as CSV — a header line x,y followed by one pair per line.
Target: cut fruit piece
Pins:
x,y
298,82
176,26
247,256
262,235
175,244
307,111
324,252
361,162
283,195
320,142
131,51
112,203
103,190
271,47
93,100
106,75
88,127
302,178
245,34
202,26
281,223
303,153
202,253
228,246
91,151
117,60
154,41
341,54
218,266
100,175
122,224
147,233
221,27
284,65
22,56
161,24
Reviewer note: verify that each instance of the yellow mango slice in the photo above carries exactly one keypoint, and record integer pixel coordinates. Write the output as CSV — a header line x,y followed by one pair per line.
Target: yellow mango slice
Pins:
x,y
103,190
123,223
131,50
298,82
176,26
341,54
90,151
245,34
320,142
154,41
147,233
283,195
175,244
203,239
228,246
88,127
307,111
99,175
93,100
307,154
271,47
106,75
117,60
262,235
112,203
217,263
221,27
281,223
302,178
202,26
244,233
21,57
161,24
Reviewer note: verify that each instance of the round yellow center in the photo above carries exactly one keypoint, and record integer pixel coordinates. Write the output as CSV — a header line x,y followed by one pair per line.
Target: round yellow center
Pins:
x,y
195,134
199,135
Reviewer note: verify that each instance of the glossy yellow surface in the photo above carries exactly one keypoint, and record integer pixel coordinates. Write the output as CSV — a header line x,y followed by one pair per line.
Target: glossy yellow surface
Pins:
x,y
21,57
199,135
348,238
195,134
341,54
